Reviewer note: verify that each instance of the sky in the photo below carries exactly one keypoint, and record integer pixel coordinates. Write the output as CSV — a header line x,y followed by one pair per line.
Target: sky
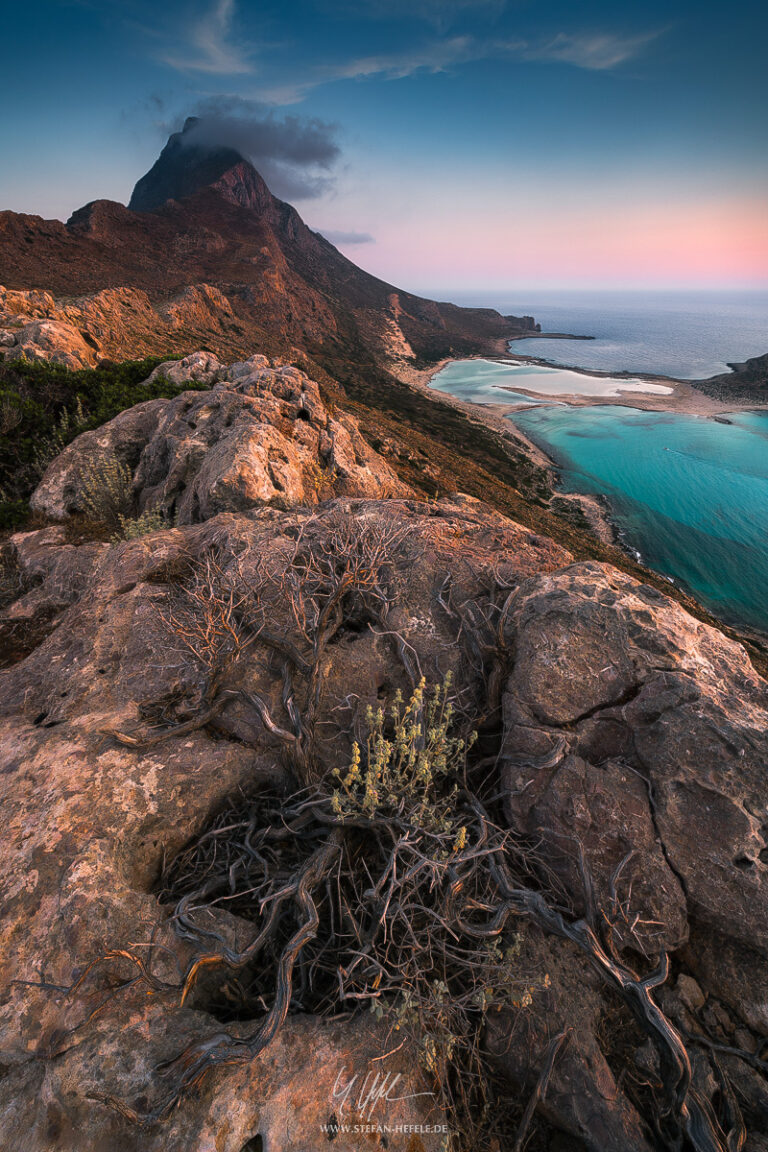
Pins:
x,y
464,145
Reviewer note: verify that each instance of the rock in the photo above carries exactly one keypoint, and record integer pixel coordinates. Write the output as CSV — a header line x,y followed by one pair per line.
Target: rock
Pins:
x,y
638,733
202,367
59,493
288,1096
266,436
53,342
636,737
583,1098
88,821
752,1093
690,993
28,305
746,1041
242,369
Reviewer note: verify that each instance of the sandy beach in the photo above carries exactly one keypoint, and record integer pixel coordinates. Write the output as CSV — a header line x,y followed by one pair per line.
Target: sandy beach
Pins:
x,y
684,396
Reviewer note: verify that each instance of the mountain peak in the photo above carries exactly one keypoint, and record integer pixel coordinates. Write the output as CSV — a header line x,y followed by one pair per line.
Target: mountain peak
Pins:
x,y
189,164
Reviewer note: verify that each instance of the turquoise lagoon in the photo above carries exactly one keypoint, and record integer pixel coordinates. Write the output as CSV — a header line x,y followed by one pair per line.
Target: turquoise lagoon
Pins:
x,y
689,494
494,381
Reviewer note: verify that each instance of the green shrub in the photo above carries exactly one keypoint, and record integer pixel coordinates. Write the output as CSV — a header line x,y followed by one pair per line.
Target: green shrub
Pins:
x,y
44,406
134,527
106,492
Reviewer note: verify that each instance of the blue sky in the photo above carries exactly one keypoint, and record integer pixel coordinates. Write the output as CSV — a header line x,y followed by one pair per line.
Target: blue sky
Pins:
x,y
462,143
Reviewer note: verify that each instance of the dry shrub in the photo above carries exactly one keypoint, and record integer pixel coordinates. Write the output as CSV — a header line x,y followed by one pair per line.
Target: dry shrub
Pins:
x,y
106,490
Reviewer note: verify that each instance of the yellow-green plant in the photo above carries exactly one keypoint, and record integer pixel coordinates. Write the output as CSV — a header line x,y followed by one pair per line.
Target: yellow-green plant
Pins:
x,y
410,763
133,527
106,489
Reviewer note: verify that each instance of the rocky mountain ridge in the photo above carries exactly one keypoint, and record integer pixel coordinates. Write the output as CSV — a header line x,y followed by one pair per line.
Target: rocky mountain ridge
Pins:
x,y
203,221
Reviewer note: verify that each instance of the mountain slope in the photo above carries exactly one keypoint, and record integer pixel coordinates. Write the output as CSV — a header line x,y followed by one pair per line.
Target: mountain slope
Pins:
x,y
203,215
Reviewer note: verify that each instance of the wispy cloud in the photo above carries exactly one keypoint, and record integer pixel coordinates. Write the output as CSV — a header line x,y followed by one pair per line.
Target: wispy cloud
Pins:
x,y
209,45
597,51
345,238
435,57
593,51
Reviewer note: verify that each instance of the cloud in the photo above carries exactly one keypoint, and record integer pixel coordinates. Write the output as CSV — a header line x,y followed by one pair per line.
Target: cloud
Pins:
x,y
592,51
209,45
596,51
435,57
294,154
346,238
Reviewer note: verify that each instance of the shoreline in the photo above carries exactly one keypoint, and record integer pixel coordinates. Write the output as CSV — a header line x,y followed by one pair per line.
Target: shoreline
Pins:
x,y
684,399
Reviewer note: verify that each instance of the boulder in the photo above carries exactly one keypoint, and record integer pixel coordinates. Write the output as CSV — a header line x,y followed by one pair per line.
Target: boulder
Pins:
x,y
637,736
60,491
53,342
263,436
202,367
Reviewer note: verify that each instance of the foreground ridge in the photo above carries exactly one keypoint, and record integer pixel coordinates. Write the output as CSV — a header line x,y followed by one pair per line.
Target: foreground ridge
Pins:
x,y
265,711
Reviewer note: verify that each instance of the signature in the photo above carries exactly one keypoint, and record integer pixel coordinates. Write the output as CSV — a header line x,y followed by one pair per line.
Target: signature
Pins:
x,y
363,1095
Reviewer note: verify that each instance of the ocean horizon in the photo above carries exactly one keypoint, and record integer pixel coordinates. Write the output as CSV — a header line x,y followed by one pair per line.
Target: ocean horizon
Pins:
x,y
686,334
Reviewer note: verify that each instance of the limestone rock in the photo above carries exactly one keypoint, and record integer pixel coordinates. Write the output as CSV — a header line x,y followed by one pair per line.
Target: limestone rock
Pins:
x,y
583,1097
202,367
264,435
59,493
53,342
87,821
33,304
639,734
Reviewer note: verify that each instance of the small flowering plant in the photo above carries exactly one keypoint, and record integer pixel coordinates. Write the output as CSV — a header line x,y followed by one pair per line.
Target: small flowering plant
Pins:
x,y
409,765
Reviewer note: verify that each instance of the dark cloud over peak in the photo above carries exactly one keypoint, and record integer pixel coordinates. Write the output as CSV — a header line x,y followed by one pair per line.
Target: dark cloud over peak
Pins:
x,y
294,154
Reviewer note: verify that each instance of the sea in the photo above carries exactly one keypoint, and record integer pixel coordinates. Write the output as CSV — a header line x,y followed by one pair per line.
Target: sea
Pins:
x,y
688,494
688,335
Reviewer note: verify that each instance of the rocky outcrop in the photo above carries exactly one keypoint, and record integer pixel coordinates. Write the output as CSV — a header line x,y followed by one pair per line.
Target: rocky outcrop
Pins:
x,y
262,434
202,368
746,381
87,821
633,728
31,330
52,343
